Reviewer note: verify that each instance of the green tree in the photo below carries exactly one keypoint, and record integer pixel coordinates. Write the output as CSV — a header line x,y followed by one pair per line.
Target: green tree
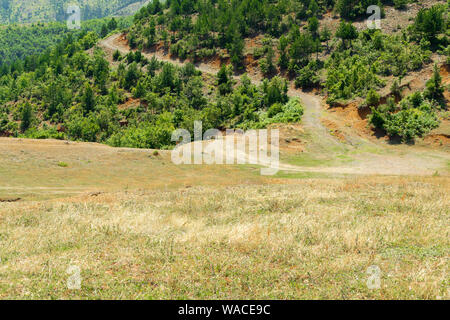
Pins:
x,y
116,55
88,99
101,71
313,8
131,76
112,24
325,35
347,32
26,117
139,91
167,77
224,80
313,26
104,31
352,9
430,22
236,50
434,89
395,88
373,98
300,51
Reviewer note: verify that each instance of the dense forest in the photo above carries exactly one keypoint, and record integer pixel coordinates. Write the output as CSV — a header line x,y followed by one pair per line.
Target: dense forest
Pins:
x,y
72,91
24,11
20,41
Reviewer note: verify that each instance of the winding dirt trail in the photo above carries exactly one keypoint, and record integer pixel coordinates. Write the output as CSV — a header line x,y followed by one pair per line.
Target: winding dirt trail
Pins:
x,y
386,160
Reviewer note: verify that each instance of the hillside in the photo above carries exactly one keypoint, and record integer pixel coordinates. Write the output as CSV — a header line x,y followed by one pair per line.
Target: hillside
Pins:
x,y
134,100
24,11
316,49
20,42
94,206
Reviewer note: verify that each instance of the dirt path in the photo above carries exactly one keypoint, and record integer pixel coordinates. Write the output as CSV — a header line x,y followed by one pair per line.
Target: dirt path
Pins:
x,y
382,159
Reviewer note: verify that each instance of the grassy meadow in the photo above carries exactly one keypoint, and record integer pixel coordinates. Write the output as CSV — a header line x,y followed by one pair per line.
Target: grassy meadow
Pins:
x,y
230,235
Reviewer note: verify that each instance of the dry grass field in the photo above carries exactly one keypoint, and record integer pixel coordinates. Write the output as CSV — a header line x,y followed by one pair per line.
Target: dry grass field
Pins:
x,y
139,227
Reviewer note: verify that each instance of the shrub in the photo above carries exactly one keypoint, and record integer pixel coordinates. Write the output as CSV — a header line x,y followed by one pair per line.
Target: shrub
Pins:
x,y
274,110
410,123
351,9
44,133
400,4
116,55
373,98
85,129
156,135
415,118
307,77
292,112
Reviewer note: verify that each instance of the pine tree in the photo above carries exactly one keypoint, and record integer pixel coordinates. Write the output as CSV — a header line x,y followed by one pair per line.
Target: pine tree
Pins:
x,y
112,25
236,49
429,22
224,80
283,60
104,31
131,76
325,35
347,32
434,90
116,55
26,117
88,99
395,89
313,8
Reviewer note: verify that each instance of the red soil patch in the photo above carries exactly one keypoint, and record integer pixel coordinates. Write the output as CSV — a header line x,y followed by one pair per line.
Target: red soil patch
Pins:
x,y
130,103
352,117
438,140
445,74
333,127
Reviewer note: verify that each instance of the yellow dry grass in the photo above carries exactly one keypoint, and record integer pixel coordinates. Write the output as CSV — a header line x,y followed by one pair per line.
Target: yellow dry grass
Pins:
x,y
311,238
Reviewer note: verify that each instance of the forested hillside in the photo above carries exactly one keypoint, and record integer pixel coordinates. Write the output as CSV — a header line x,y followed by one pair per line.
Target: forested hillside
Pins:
x,y
21,41
82,93
74,91
297,42
23,11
